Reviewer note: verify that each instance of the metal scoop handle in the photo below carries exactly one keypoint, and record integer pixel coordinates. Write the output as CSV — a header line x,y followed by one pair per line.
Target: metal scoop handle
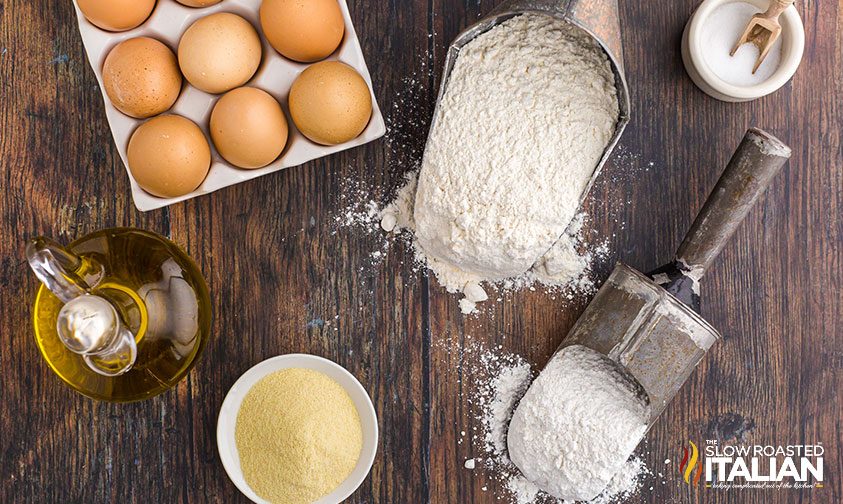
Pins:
x,y
757,160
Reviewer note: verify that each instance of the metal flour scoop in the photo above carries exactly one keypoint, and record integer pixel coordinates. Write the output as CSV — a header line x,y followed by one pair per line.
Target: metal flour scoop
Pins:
x,y
599,18
648,324
634,346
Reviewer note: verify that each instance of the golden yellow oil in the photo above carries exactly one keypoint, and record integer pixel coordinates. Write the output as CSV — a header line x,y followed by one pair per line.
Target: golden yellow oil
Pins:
x,y
161,297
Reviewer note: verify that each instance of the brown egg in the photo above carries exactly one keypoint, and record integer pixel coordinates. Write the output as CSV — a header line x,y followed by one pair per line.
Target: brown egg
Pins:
x,y
198,3
330,103
116,15
169,156
248,127
303,31
219,52
141,77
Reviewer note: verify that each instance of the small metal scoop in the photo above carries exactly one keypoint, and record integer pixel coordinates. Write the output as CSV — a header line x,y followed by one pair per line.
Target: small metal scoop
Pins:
x,y
599,18
649,324
763,30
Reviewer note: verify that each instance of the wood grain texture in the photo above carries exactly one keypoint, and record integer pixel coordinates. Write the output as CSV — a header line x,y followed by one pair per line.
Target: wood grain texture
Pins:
x,y
285,277
775,292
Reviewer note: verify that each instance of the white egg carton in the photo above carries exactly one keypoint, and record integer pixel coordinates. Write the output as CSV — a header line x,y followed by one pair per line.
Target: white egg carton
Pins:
x,y
276,74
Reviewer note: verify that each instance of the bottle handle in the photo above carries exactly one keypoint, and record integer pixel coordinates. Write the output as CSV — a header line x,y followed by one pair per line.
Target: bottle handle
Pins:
x,y
87,324
56,268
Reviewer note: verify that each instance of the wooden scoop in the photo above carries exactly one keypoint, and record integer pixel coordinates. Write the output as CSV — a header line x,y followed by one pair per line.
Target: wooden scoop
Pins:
x,y
763,30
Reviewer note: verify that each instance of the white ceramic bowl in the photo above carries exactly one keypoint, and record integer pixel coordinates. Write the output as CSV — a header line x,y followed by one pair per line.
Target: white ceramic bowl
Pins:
x,y
227,420
793,45
275,76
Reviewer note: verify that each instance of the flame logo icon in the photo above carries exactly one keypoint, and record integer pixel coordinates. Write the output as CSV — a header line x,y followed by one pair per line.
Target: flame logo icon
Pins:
x,y
689,464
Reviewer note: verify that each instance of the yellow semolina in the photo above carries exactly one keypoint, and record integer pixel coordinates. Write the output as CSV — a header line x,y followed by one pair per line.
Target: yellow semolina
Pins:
x,y
298,435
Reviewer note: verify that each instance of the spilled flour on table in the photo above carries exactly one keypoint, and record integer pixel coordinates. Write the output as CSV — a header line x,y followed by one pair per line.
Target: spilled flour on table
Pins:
x,y
565,269
360,214
407,119
501,380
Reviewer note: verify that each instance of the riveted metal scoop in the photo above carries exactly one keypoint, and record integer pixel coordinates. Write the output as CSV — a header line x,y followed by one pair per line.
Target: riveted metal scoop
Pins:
x,y
643,327
599,18
649,324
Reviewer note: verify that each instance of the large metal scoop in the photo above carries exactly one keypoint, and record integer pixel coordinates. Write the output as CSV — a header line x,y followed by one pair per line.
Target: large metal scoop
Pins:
x,y
599,18
648,324
645,339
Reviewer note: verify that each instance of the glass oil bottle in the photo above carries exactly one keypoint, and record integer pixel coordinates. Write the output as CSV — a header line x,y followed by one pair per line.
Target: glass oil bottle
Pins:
x,y
122,314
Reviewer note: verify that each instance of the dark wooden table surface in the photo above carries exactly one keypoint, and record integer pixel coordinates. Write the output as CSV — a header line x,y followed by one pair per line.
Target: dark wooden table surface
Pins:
x,y
285,277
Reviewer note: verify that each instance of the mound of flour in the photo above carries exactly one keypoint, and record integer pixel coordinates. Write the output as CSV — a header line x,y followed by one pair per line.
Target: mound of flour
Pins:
x,y
528,111
577,425
491,386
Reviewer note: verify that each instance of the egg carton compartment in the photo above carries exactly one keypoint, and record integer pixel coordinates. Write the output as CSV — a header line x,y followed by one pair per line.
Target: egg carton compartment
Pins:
x,y
275,75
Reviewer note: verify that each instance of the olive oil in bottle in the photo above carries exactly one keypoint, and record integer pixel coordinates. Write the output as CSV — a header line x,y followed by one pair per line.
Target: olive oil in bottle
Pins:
x,y
122,313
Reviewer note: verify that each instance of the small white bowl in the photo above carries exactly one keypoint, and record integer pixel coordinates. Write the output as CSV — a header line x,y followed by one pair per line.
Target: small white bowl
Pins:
x,y
227,446
793,45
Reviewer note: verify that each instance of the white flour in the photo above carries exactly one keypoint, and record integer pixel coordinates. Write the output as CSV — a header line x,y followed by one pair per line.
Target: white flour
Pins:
x,y
499,381
508,386
565,267
624,484
529,110
577,425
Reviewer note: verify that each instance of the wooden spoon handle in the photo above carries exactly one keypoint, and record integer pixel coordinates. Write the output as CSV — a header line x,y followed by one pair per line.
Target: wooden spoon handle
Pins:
x,y
777,7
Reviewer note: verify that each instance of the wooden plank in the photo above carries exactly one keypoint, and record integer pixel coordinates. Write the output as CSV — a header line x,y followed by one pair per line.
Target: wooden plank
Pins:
x,y
285,277
774,293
